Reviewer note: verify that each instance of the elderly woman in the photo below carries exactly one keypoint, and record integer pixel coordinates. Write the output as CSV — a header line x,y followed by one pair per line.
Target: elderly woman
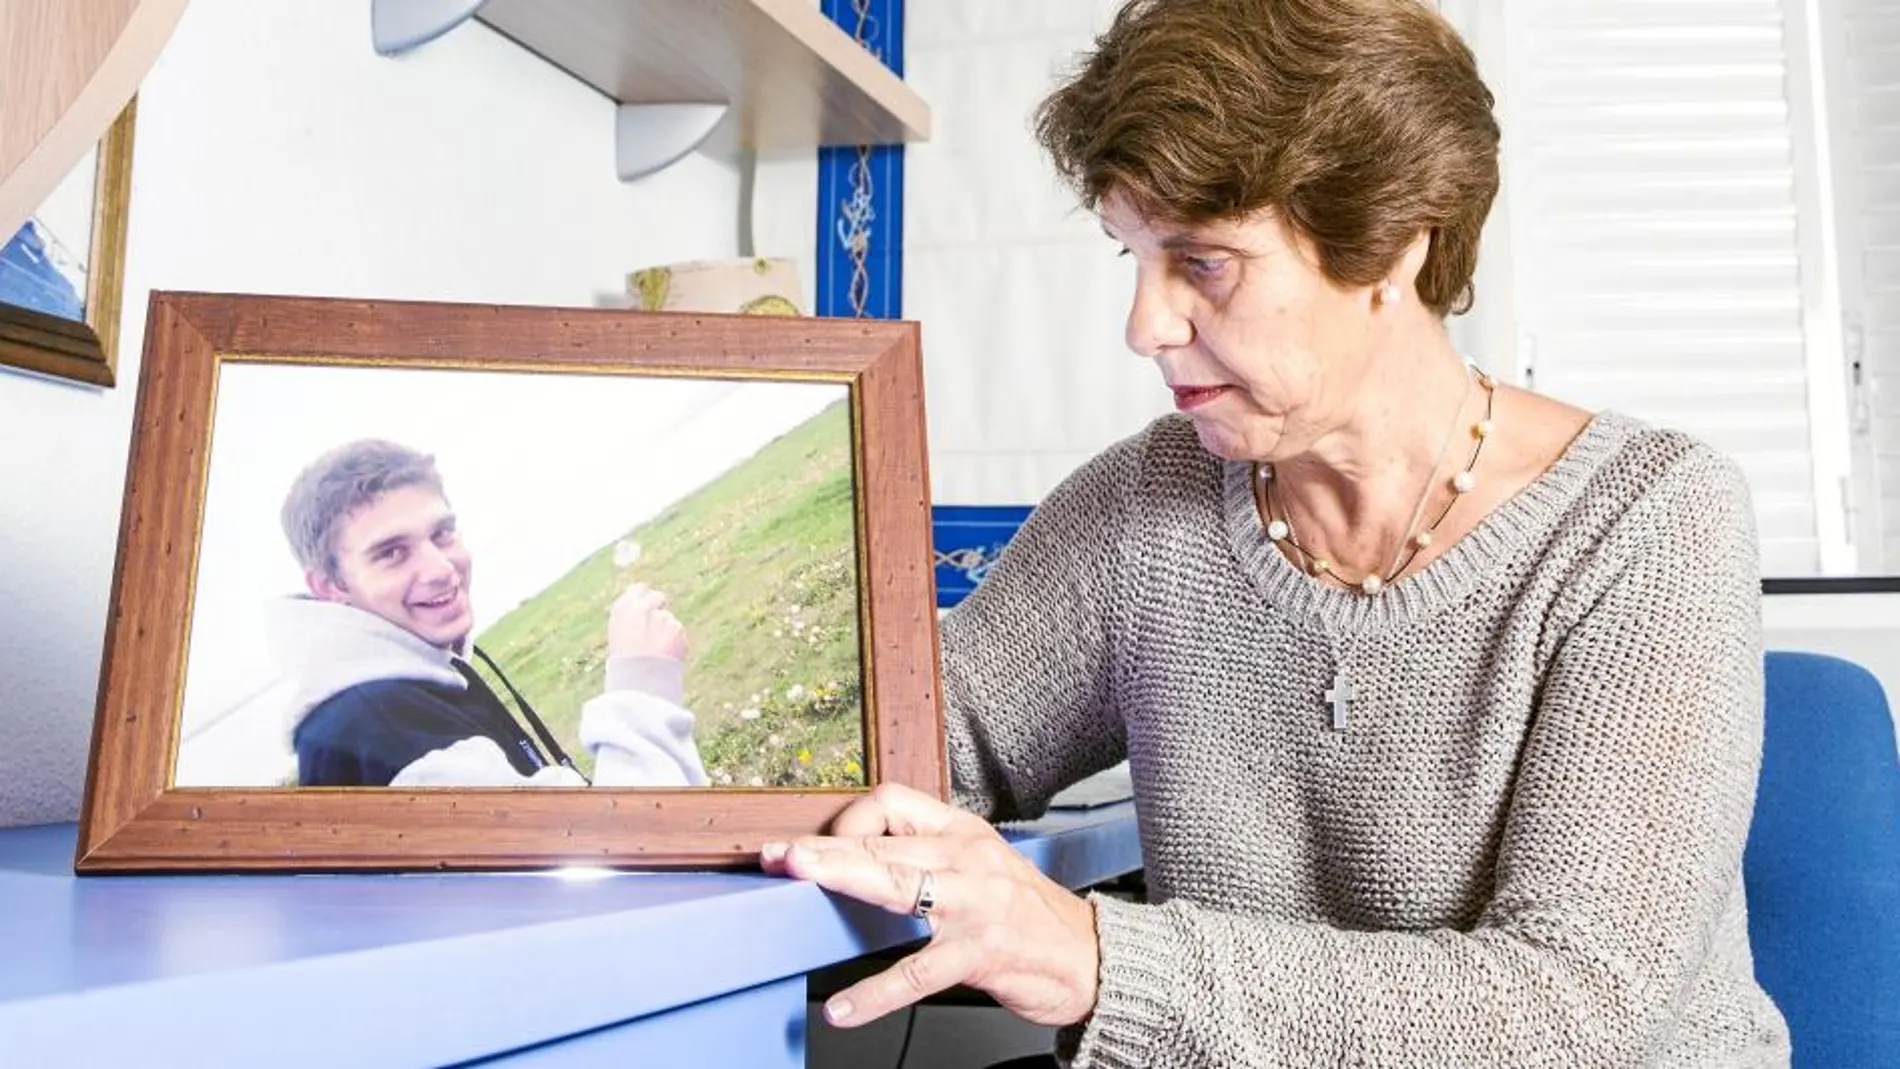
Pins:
x,y
1442,699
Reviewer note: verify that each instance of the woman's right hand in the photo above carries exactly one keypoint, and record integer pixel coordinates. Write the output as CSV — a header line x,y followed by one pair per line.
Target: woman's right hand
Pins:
x,y
639,625
997,923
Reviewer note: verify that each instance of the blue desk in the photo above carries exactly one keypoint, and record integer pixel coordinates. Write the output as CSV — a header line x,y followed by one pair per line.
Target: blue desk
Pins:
x,y
536,970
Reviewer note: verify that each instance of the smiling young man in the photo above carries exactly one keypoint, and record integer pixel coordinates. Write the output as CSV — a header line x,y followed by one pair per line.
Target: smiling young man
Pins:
x,y
379,649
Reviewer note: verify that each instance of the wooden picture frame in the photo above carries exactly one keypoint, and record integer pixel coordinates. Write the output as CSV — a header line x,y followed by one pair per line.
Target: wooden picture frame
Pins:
x,y
85,348
136,818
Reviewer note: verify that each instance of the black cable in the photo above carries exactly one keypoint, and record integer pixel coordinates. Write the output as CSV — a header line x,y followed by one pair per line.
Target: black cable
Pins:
x,y
540,729
910,1027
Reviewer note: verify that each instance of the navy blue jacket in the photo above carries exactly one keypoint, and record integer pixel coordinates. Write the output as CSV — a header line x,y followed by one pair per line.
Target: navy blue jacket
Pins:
x,y
365,735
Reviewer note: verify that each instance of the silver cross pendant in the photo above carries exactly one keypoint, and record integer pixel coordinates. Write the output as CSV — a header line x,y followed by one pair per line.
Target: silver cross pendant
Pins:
x,y
1340,697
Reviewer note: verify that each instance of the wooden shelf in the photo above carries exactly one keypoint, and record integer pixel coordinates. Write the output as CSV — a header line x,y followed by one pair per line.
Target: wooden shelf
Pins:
x,y
788,78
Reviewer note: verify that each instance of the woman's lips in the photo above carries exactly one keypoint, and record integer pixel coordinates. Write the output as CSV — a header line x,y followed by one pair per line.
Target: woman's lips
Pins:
x,y
1189,397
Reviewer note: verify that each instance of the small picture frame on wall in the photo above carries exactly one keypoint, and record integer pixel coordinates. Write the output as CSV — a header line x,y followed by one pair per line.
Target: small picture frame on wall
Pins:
x,y
411,585
62,274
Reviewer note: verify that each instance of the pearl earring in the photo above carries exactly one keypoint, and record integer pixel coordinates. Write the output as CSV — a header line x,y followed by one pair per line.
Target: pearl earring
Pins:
x,y
1388,294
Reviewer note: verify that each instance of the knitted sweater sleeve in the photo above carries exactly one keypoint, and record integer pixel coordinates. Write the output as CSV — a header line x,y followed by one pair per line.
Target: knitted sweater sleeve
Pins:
x,y
1619,856
1027,656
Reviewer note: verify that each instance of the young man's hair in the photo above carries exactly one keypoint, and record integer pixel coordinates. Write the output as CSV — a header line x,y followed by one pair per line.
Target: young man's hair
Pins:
x,y
338,483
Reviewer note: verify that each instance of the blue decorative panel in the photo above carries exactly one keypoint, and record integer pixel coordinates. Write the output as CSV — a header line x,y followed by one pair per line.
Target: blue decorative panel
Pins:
x,y
861,191
968,539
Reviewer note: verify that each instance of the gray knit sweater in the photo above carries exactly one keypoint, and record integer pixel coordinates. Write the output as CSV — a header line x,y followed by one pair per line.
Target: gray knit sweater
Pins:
x,y
1523,849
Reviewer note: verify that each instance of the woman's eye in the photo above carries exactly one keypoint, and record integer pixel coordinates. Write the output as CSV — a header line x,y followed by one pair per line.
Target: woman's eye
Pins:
x,y
1204,266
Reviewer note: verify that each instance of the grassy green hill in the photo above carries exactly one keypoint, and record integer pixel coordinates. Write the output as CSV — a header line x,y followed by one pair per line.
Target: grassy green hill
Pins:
x,y
761,568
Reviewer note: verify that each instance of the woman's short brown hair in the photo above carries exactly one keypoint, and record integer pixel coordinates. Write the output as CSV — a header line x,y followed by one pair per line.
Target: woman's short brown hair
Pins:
x,y
1362,122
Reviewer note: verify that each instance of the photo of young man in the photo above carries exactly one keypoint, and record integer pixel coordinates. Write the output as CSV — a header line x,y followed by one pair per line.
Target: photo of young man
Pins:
x,y
379,649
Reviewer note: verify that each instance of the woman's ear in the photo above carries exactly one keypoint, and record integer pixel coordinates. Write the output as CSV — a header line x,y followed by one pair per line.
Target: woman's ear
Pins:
x,y
1403,278
1413,260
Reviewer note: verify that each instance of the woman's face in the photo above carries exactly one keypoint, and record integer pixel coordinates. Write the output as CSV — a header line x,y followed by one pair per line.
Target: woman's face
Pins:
x,y
1262,351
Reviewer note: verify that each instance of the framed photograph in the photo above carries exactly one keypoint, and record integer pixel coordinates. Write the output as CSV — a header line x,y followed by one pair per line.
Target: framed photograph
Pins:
x,y
409,585
62,275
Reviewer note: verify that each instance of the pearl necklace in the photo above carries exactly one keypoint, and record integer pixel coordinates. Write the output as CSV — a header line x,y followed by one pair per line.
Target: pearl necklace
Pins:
x,y
1281,529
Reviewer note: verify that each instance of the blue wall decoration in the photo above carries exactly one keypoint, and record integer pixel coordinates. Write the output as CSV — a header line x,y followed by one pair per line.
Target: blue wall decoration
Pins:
x,y
968,539
861,190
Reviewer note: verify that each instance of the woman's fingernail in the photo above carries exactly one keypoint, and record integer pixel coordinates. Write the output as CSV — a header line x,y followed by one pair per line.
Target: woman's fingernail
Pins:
x,y
837,1010
773,853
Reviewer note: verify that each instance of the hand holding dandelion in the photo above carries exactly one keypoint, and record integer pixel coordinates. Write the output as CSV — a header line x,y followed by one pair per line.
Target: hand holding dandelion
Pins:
x,y
641,625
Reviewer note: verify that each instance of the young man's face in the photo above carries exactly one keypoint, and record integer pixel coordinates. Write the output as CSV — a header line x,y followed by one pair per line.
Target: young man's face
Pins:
x,y
400,558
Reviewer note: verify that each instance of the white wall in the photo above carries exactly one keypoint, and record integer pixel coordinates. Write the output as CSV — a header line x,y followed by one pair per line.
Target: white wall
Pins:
x,y
1021,296
277,153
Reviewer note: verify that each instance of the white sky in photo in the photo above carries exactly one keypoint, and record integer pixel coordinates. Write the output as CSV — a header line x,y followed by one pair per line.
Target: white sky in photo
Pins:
x,y
542,469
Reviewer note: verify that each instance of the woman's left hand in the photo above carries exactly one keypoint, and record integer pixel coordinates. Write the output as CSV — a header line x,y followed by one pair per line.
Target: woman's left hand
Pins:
x,y
997,923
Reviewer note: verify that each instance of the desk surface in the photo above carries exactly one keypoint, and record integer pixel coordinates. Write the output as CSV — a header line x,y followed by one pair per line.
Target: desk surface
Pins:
x,y
420,968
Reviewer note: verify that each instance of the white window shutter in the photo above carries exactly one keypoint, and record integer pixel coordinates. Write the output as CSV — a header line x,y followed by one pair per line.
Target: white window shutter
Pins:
x,y
1866,113
1650,161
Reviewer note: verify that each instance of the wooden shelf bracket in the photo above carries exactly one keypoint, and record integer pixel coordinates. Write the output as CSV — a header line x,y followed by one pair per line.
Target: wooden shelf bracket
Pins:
x,y
647,137
726,77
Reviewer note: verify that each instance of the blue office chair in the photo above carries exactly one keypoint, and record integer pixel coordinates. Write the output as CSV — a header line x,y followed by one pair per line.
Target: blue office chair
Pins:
x,y
1822,866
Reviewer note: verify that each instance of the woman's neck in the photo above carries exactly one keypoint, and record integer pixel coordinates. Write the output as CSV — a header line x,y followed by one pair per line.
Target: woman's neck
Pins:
x,y
1353,497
